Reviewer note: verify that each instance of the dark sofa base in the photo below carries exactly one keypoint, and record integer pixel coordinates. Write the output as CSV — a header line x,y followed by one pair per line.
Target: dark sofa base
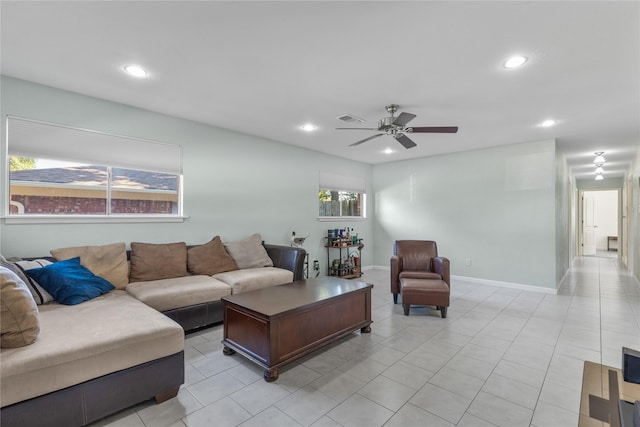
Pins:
x,y
197,316
90,401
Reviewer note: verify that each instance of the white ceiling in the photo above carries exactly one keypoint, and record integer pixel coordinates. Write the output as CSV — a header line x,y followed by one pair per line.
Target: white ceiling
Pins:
x,y
265,68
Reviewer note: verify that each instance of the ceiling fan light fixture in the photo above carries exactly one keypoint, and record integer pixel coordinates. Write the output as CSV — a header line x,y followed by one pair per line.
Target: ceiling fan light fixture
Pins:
x,y
599,170
515,61
599,159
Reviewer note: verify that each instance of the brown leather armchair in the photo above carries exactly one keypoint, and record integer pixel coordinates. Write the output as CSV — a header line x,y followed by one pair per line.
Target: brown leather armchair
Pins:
x,y
417,259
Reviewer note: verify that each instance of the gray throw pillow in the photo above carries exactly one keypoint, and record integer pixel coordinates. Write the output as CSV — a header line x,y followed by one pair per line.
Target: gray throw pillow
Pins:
x,y
249,252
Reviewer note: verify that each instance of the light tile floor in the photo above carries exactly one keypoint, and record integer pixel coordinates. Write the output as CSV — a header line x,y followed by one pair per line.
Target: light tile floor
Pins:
x,y
502,357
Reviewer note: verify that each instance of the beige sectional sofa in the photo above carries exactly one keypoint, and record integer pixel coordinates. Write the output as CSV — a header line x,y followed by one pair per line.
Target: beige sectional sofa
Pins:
x,y
254,265
123,347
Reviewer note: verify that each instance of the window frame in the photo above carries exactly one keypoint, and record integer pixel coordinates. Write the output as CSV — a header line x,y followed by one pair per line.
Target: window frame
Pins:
x,y
332,182
137,145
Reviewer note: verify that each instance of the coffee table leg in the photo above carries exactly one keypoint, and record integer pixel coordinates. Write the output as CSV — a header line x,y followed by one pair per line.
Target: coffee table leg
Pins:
x,y
366,330
228,351
270,375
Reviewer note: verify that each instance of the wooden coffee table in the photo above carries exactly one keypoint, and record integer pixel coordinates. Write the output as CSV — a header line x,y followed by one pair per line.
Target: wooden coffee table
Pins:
x,y
277,325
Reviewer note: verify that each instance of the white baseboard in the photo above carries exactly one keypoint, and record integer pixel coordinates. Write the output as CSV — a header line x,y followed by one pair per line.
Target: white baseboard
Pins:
x,y
530,288
561,282
520,286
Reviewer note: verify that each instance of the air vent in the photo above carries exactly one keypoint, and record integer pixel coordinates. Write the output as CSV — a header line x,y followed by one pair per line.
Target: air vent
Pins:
x,y
350,118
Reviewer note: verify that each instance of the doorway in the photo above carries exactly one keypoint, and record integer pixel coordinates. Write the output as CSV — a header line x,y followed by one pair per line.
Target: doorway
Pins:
x,y
600,230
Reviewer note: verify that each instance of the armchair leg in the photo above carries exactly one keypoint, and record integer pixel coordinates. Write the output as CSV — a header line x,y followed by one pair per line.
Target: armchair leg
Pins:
x,y
406,309
443,312
395,298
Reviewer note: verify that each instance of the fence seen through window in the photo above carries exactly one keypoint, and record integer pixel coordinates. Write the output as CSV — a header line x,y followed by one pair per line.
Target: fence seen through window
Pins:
x,y
340,203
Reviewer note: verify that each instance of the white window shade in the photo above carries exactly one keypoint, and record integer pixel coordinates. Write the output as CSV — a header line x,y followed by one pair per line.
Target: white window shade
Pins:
x,y
335,182
35,139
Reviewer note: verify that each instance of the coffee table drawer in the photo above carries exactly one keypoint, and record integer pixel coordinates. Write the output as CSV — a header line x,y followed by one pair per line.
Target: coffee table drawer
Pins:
x,y
297,332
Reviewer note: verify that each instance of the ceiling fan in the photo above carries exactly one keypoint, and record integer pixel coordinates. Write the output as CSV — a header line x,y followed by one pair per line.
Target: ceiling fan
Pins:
x,y
397,127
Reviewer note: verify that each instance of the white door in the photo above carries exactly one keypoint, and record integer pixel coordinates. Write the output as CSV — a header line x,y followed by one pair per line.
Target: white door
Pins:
x,y
588,225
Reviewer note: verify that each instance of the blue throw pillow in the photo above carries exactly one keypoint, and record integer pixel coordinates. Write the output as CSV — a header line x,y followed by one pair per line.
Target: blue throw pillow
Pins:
x,y
69,282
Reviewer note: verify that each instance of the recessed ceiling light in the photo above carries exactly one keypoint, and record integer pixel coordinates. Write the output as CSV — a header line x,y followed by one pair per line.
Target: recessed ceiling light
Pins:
x,y
308,127
599,177
599,159
547,123
599,170
135,70
515,61
388,151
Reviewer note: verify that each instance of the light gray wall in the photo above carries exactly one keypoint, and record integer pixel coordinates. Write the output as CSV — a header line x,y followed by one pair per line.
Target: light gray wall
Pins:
x,y
496,207
234,184
573,215
634,238
563,219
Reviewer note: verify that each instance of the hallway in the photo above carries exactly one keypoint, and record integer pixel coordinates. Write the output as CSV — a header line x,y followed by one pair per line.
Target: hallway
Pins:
x,y
605,254
606,299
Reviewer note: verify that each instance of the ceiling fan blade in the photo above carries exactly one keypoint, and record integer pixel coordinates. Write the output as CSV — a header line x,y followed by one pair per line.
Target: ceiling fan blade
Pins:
x,y
403,119
356,128
404,140
366,139
433,129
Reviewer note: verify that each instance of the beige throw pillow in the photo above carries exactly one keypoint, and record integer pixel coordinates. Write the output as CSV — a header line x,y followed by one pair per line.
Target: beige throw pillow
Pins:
x,y
19,317
107,261
151,261
210,258
249,252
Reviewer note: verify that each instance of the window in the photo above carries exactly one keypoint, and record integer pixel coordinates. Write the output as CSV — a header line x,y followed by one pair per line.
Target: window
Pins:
x,y
341,196
61,172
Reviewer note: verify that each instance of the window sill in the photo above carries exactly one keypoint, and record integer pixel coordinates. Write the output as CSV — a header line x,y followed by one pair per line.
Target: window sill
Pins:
x,y
341,218
90,219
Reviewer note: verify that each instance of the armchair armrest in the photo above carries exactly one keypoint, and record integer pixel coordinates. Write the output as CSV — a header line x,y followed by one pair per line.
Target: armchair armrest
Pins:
x,y
396,268
441,266
288,258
